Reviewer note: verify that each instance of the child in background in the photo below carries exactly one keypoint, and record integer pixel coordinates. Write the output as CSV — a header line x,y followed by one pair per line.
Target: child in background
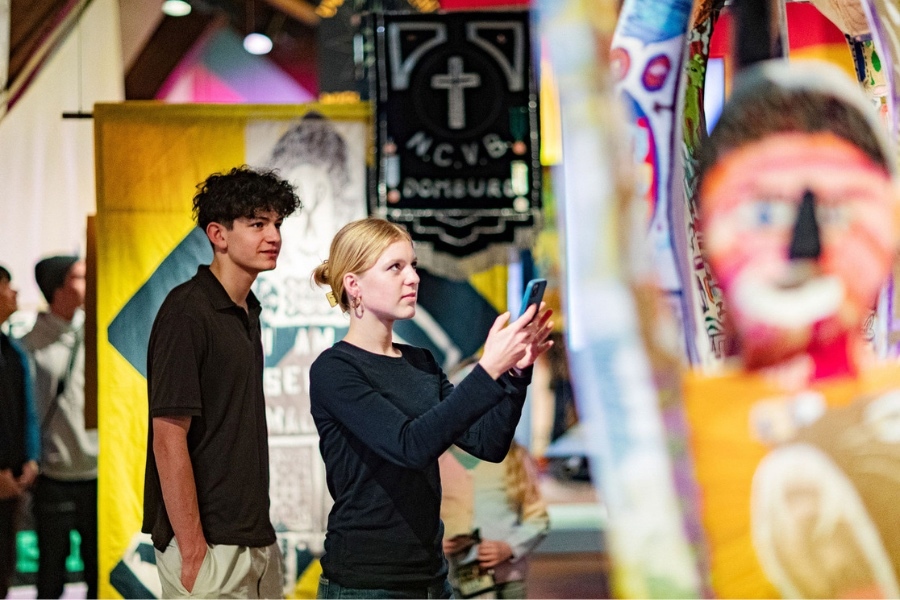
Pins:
x,y
504,504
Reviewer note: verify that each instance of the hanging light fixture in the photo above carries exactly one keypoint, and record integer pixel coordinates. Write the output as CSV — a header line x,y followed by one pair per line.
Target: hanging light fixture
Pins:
x,y
255,42
176,8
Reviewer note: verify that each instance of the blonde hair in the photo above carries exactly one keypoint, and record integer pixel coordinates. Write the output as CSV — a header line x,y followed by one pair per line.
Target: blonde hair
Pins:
x,y
521,482
354,249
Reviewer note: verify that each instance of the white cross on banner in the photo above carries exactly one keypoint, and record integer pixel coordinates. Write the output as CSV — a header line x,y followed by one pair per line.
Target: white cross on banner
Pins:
x,y
458,153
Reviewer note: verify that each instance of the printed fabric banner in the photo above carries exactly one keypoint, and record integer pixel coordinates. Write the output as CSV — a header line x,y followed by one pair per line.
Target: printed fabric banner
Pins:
x,y
805,504
704,305
625,372
646,59
149,159
457,135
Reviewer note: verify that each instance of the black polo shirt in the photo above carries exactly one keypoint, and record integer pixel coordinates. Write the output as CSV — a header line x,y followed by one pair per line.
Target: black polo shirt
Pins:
x,y
205,360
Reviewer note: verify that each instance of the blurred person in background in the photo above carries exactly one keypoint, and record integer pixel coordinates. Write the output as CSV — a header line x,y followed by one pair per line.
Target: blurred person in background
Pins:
x,y
65,495
19,434
494,516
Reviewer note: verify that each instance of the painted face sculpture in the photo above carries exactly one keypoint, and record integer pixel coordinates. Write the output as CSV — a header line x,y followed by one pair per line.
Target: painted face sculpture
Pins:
x,y
799,215
796,450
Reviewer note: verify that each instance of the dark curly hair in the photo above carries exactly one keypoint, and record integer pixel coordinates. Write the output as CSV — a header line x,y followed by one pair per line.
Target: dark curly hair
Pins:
x,y
4,274
242,192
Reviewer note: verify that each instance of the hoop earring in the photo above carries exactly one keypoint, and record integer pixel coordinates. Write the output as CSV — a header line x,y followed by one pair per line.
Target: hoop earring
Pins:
x,y
356,305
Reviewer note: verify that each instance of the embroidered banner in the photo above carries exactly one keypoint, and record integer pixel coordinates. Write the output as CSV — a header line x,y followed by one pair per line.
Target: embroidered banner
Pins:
x,y
457,135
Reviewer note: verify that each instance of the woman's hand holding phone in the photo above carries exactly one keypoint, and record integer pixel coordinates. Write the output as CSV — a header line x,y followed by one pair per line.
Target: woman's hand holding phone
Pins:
x,y
540,327
517,344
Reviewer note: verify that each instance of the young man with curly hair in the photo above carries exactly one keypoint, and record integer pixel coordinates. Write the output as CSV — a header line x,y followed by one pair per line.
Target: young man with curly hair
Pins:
x,y
206,497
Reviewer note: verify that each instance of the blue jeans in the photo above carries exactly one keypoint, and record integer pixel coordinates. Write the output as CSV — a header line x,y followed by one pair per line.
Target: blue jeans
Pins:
x,y
330,589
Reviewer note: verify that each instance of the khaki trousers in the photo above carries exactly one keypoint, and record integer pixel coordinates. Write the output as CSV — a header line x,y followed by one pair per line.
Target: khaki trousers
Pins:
x,y
226,572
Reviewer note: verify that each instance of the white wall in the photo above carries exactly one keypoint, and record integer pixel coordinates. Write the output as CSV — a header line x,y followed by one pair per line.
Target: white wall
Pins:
x,y
47,163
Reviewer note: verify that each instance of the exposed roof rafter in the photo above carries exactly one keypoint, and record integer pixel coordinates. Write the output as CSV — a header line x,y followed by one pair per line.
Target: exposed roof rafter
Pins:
x,y
297,9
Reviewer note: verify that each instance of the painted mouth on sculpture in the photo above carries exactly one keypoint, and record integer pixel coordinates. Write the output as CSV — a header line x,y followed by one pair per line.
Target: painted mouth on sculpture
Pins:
x,y
791,303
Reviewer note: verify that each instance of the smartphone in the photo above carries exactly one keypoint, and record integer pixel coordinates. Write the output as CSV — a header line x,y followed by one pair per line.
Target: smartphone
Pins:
x,y
534,293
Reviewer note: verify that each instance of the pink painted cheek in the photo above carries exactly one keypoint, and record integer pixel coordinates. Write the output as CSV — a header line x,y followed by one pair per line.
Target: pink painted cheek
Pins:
x,y
876,226
725,269
862,270
764,253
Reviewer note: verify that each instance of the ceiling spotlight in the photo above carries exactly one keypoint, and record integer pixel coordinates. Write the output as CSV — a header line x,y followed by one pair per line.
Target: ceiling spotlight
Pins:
x,y
176,8
257,43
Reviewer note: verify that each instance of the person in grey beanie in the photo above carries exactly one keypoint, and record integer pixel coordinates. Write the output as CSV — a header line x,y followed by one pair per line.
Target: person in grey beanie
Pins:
x,y
65,495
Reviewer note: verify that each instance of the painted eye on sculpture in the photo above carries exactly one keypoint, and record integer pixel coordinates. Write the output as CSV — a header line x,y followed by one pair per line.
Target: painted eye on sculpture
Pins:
x,y
766,213
834,215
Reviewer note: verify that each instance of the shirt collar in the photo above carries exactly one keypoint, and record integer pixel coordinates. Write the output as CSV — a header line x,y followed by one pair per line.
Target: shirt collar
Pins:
x,y
217,294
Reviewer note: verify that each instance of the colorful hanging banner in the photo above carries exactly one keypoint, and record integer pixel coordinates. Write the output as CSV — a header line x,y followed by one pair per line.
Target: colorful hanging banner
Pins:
x,y
803,505
457,135
646,60
624,378
881,60
704,298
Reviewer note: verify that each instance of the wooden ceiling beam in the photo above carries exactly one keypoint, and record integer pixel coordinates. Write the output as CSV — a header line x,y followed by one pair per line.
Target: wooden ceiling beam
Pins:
x,y
173,38
300,10
34,23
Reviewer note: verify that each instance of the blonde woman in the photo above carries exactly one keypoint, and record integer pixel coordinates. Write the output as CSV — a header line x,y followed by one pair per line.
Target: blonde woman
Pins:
x,y
385,412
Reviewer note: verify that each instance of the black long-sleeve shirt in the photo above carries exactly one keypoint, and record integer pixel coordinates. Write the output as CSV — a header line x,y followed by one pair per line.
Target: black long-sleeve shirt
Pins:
x,y
383,422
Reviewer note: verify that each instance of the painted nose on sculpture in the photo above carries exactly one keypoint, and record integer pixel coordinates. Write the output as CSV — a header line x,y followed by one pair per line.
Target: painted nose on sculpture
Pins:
x,y
805,243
